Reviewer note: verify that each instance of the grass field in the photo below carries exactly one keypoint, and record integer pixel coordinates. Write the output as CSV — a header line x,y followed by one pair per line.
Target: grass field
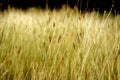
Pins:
x,y
59,45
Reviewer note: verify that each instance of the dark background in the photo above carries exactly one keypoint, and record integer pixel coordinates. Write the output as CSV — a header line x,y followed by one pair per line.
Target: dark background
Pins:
x,y
82,5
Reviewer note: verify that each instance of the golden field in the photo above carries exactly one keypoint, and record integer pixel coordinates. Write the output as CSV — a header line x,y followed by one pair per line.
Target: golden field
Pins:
x,y
59,45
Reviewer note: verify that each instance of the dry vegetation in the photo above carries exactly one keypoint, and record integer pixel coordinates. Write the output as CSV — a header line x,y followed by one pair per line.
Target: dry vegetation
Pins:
x,y
59,45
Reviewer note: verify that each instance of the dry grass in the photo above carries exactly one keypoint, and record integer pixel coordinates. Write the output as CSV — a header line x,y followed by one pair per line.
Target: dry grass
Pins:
x,y
59,45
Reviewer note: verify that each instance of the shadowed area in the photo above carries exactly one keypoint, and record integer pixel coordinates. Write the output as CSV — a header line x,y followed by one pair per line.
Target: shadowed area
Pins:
x,y
82,5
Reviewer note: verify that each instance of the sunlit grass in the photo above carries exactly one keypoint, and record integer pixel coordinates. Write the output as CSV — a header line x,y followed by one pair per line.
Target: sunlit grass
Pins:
x,y
59,45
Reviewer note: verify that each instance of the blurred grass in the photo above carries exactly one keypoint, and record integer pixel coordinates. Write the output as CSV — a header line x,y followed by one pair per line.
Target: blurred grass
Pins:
x,y
59,45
